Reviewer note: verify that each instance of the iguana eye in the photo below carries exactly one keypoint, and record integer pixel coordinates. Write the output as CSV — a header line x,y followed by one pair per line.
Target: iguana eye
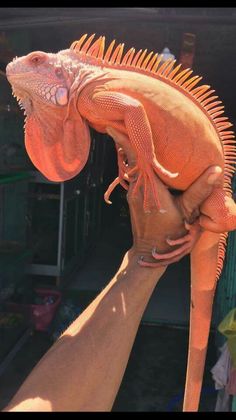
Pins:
x,y
37,58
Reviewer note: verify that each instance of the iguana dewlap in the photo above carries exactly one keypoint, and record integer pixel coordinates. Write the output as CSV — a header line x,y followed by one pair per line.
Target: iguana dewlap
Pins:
x,y
176,130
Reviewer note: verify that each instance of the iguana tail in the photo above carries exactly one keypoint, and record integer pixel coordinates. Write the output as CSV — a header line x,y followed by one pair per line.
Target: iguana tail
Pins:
x,y
206,263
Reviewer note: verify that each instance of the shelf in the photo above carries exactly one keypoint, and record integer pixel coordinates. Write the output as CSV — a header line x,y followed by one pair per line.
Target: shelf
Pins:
x,y
16,177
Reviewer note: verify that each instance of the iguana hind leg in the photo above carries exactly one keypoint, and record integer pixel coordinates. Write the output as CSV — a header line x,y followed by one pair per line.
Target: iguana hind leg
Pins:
x,y
204,263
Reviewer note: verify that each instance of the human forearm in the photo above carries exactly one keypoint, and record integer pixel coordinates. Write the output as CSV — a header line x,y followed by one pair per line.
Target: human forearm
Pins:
x,y
84,368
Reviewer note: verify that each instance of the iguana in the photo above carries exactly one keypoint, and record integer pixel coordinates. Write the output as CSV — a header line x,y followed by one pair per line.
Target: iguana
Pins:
x,y
175,128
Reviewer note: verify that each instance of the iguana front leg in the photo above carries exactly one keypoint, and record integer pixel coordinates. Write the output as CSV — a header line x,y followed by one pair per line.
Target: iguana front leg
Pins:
x,y
113,107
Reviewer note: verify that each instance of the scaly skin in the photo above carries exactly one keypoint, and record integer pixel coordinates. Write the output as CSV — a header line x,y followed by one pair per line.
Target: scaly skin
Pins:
x,y
174,131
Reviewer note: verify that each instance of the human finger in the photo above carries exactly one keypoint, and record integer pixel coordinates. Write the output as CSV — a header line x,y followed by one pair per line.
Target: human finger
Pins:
x,y
184,248
199,191
163,263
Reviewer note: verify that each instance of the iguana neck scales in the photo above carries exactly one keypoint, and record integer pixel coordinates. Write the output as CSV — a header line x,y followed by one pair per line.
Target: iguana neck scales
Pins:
x,y
176,129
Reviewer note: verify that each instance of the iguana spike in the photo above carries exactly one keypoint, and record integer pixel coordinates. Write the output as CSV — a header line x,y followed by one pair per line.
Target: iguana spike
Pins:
x,y
229,171
204,89
115,53
180,75
189,81
216,115
109,50
136,58
212,98
228,139
119,55
126,56
182,80
199,90
93,50
158,60
220,119
229,148
205,95
87,44
77,44
230,167
174,71
230,155
221,124
163,66
129,61
101,48
211,105
150,64
194,83
168,68
229,132
139,63
213,111
144,65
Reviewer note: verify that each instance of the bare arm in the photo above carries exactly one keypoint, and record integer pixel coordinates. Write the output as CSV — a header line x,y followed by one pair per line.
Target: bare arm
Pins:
x,y
83,370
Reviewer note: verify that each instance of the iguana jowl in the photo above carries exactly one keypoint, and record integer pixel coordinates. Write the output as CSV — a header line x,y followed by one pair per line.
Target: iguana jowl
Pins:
x,y
175,128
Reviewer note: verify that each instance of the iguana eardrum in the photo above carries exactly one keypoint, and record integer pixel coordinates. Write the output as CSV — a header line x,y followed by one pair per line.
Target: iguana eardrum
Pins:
x,y
175,128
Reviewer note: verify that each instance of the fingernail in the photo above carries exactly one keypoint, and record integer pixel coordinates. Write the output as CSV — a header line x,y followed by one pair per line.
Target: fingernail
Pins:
x,y
154,251
214,175
187,225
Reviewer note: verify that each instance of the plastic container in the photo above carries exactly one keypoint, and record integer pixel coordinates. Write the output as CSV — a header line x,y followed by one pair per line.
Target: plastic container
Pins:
x,y
41,315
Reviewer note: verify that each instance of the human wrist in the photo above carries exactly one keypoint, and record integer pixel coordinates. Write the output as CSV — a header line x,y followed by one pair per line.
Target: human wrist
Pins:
x,y
143,248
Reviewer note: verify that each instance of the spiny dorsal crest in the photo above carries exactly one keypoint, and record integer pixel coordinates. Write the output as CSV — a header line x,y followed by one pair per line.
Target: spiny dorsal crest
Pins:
x,y
145,62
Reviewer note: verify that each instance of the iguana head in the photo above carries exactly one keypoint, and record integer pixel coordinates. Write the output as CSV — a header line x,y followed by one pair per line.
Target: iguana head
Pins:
x,y
56,137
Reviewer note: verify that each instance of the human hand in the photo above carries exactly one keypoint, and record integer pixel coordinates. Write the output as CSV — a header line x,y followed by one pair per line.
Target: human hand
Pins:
x,y
178,218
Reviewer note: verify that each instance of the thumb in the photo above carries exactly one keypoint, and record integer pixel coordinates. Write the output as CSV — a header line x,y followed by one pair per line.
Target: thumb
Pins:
x,y
200,190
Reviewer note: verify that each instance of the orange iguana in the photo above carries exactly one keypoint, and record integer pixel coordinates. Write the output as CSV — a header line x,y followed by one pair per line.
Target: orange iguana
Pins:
x,y
175,128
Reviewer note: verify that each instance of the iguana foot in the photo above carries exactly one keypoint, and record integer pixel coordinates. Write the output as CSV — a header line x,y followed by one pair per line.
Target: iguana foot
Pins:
x,y
146,179
187,243
112,186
